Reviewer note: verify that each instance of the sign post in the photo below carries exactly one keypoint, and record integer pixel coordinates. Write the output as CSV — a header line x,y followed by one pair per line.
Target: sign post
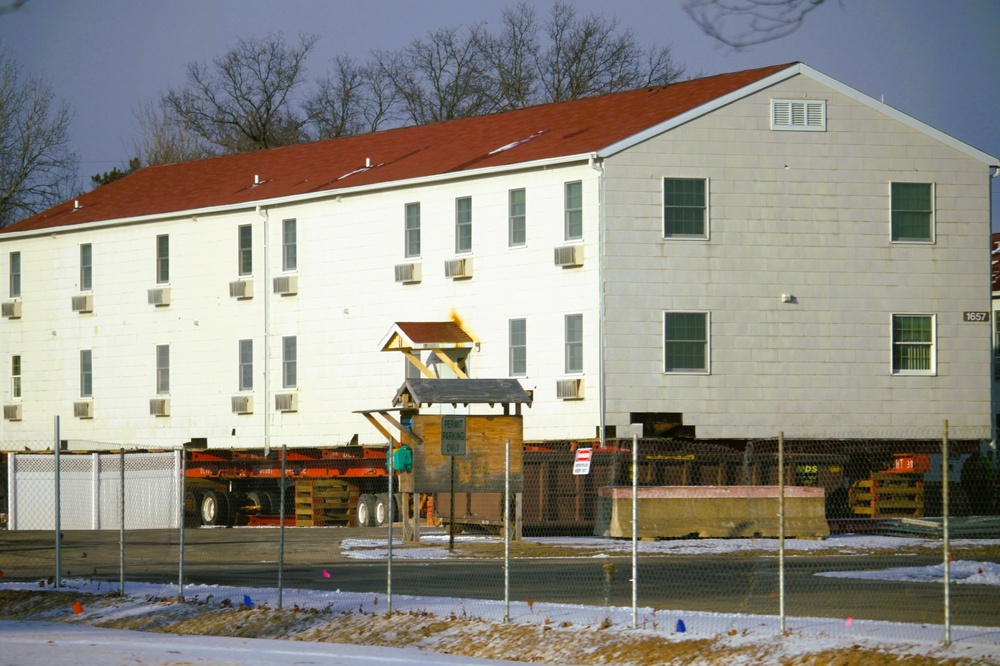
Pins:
x,y
452,444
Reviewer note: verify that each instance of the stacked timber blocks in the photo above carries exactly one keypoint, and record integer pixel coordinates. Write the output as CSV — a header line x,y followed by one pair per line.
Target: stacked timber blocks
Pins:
x,y
889,495
320,502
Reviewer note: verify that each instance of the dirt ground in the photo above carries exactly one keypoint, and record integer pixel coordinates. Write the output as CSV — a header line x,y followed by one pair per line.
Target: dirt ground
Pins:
x,y
469,636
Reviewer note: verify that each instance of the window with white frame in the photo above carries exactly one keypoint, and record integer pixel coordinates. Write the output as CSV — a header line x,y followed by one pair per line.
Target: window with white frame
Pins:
x,y
516,210
573,207
518,341
162,369
289,246
86,267
463,225
289,362
574,343
685,342
246,365
803,115
86,373
162,259
246,249
15,274
912,212
411,233
15,376
685,208
913,344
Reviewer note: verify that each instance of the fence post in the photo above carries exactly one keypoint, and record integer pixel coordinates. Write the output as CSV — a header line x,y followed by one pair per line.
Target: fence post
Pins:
x,y
506,532
635,531
180,554
56,477
121,527
281,521
388,569
781,530
944,533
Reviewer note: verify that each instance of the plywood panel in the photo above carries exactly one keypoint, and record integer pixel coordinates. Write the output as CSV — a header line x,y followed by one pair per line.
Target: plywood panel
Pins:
x,y
481,469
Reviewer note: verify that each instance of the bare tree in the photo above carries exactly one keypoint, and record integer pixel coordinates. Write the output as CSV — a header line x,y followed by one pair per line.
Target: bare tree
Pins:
x,y
37,168
512,57
439,78
163,138
353,99
742,23
244,101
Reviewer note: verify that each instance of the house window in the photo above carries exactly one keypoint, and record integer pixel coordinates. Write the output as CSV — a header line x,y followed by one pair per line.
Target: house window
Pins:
x,y
574,210
574,343
246,365
15,274
912,212
86,267
685,209
912,344
162,259
515,215
86,374
411,238
518,335
798,114
685,342
162,369
463,225
289,245
289,362
246,249
15,376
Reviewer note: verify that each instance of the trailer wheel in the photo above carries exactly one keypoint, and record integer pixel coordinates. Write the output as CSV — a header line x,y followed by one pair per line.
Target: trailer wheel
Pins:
x,y
381,510
214,508
260,499
191,503
366,511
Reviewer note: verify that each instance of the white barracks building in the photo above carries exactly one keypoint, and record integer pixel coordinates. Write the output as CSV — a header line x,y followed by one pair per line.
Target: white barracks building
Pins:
x,y
729,257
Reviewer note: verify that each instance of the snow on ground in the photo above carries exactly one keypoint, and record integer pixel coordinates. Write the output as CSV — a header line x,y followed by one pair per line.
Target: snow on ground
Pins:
x,y
562,632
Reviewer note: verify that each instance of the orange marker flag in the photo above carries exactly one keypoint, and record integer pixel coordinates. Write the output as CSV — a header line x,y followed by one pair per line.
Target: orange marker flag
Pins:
x,y
77,607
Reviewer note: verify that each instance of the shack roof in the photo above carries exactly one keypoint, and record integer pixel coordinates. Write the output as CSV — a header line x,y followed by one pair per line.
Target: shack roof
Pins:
x,y
462,392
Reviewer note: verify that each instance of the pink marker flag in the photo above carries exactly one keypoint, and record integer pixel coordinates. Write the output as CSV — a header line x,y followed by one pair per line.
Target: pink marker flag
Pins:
x,y
849,622
326,574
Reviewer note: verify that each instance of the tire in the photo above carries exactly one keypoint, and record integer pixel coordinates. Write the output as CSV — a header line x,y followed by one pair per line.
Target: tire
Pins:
x,y
192,517
381,512
260,499
366,511
213,508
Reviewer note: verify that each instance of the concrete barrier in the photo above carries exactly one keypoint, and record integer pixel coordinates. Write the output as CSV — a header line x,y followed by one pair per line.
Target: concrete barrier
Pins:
x,y
711,511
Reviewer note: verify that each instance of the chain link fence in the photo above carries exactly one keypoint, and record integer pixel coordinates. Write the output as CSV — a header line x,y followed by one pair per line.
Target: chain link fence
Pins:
x,y
631,532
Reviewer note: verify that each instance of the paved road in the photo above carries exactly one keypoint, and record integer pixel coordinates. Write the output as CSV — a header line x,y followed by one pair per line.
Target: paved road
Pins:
x,y
732,583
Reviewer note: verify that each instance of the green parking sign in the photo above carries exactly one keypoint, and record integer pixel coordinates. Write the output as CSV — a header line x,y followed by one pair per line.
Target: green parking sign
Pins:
x,y
453,435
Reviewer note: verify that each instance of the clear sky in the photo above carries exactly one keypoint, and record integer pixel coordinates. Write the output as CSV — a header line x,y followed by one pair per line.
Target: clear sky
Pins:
x,y
936,60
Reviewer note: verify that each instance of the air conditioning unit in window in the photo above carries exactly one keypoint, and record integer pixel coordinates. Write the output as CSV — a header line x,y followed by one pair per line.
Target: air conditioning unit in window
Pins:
x,y
286,285
12,309
569,256
457,269
408,273
242,404
286,402
159,296
569,389
12,412
241,288
83,303
159,406
83,409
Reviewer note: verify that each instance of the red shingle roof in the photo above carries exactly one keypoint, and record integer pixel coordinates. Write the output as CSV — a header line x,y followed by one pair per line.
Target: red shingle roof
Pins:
x,y
542,132
429,332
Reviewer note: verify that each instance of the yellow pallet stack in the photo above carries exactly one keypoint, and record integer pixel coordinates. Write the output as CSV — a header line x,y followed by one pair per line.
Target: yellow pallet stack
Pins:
x,y
320,502
889,495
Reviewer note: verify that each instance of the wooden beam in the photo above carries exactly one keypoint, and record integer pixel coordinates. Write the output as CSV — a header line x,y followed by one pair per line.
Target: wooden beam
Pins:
x,y
450,363
378,426
419,365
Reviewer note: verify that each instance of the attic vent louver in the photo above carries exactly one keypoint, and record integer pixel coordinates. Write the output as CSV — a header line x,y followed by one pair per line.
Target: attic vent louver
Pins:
x,y
798,115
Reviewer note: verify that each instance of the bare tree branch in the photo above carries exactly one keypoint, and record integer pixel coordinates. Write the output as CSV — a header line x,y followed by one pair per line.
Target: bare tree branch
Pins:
x,y
163,139
353,99
243,102
37,168
743,23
